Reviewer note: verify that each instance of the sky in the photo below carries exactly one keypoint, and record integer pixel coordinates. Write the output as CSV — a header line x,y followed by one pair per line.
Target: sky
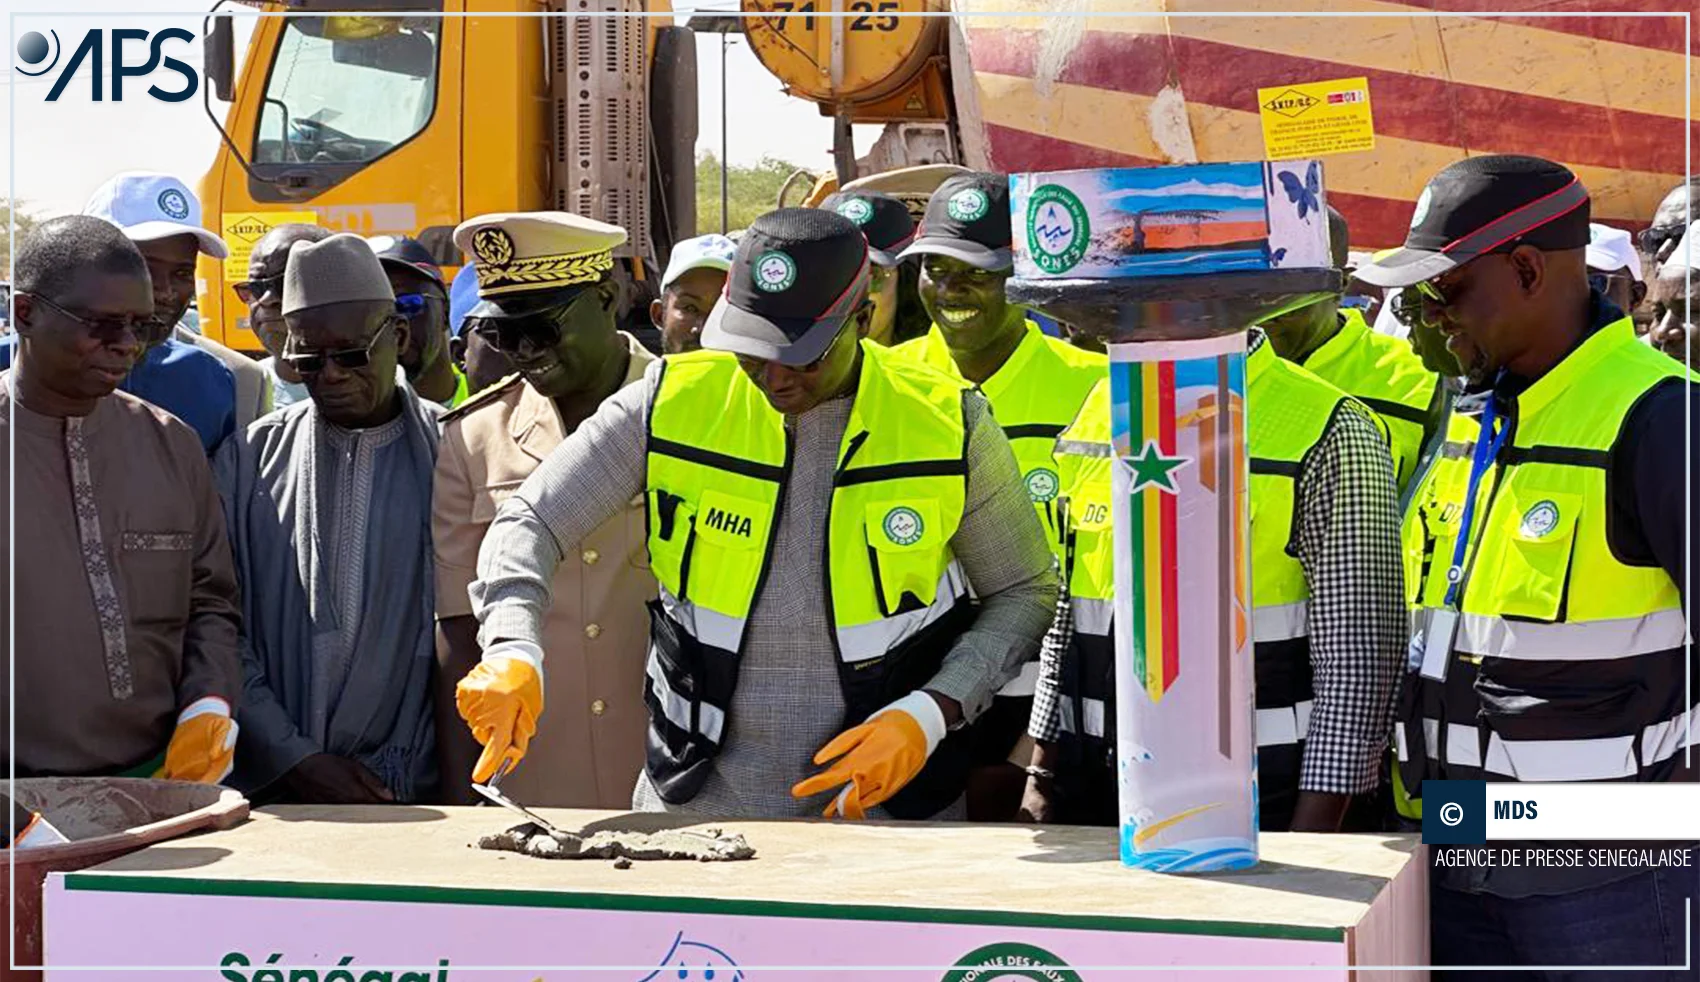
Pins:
x,y
60,152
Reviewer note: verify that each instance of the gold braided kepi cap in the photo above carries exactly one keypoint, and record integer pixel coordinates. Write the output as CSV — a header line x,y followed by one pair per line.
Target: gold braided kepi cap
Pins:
x,y
537,251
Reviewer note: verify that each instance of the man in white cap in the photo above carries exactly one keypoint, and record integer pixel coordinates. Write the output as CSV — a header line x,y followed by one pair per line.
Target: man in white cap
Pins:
x,y
556,323
191,384
328,503
1614,267
820,512
162,217
691,286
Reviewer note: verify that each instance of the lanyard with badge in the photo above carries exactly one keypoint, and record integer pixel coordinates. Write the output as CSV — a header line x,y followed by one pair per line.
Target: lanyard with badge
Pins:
x,y
1440,624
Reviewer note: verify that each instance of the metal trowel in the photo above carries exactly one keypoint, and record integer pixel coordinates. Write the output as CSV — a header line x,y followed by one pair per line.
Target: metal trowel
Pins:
x,y
492,792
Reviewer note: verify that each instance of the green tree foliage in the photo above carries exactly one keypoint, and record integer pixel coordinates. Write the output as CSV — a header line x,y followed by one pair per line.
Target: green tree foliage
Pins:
x,y
752,190
12,211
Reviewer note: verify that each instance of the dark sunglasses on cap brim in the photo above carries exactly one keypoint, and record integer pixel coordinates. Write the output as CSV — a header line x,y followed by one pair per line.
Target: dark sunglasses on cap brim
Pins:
x,y
1651,239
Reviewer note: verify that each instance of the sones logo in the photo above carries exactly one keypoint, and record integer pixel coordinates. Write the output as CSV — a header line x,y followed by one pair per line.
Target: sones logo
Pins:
x,y
39,54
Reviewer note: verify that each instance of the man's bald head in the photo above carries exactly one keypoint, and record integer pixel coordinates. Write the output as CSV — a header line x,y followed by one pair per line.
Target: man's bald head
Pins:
x,y
266,264
271,253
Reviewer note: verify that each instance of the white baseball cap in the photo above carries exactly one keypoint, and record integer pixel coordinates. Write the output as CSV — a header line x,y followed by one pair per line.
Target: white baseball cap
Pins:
x,y
713,251
1610,249
149,206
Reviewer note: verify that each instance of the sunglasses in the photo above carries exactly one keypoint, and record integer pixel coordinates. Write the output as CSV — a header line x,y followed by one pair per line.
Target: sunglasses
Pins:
x,y
758,364
313,362
1650,239
108,330
543,328
253,291
411,305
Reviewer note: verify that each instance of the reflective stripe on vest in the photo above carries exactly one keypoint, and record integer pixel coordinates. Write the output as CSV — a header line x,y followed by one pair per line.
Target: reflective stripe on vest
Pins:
x,y
1542,591
1596,759
1384,374
1085,549
717,464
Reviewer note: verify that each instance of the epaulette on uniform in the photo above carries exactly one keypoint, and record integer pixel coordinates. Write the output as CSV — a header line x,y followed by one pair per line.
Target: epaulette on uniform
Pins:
x,y
482,396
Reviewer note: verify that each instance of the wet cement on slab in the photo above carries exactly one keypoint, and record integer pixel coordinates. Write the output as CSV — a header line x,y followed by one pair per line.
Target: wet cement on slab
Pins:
x,y
705,845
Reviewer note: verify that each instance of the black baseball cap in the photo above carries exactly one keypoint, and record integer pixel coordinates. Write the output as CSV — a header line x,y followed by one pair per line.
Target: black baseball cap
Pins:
x,y
798,276
968,219
1481,205
408,253
884,220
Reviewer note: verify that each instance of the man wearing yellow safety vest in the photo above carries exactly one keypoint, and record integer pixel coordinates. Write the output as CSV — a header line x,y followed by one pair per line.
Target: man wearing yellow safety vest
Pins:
x,y
848,567
1544,565
1035,383
1326,611
1338,346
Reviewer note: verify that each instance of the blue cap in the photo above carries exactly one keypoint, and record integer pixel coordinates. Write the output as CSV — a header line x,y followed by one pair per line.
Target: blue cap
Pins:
x,y
463,296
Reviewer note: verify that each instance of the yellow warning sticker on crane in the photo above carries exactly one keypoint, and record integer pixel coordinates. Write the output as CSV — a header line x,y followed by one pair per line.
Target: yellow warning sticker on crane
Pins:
x,y
1316,118
244,228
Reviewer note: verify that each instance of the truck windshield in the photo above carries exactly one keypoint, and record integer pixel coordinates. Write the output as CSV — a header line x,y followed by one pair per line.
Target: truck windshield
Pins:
x,y
347,89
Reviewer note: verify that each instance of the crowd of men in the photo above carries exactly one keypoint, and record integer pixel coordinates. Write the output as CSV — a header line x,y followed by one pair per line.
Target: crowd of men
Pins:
x,y
818,556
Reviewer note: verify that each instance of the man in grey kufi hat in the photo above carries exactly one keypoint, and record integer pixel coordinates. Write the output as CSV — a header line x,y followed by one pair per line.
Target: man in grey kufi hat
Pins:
x,y
328,503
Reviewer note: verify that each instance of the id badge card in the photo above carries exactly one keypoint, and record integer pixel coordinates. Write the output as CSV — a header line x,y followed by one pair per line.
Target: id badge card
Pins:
x,y
1440,628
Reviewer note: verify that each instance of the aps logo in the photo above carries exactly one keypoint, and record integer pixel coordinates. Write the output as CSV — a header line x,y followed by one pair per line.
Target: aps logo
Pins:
x,y
40,54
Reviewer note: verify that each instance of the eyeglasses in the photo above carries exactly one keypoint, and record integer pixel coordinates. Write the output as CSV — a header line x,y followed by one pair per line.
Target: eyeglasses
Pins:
x,y
758,364
313,362
542,328
1602,282
253,291
1650,239
410,304
107,329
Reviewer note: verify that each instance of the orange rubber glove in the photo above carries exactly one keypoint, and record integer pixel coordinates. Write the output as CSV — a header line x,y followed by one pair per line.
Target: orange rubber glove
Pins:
x,y
203,747
501,700
879,757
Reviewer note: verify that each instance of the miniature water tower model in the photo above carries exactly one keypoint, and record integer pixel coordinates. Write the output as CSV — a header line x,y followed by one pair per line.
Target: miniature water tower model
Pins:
x,y
1170,266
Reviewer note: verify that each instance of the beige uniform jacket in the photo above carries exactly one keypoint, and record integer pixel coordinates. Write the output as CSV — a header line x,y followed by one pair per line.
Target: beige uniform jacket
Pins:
x,y
589,745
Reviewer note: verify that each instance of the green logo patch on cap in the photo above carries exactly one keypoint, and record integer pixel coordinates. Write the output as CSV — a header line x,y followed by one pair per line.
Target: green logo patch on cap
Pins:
x,y
774,271
1423,201
857,210
967,205
1058,229
1042,483
903,525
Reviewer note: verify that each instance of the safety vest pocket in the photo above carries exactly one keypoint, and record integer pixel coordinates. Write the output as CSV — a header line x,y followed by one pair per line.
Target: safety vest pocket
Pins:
x,y
672,524
907,550
1430,538
1531,567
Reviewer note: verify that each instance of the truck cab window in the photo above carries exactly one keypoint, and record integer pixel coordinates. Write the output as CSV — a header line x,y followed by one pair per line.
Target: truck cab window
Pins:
x,y
347,89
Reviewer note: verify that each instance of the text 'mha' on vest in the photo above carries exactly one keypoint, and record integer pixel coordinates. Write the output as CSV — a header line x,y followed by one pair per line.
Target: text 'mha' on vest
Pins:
x,y
1568,662
719,457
